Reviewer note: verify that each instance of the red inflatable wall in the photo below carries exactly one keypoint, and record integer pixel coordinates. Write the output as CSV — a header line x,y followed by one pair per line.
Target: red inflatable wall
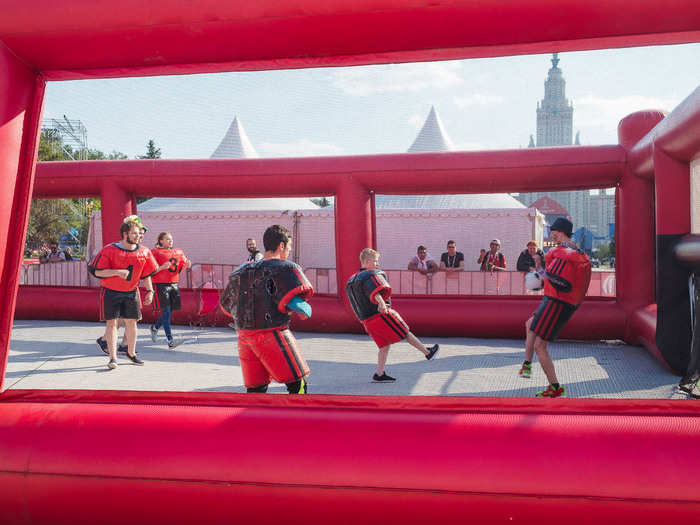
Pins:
x,y
351,180
144,457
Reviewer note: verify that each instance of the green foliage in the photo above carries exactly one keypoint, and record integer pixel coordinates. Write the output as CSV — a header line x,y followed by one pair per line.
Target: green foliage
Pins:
x,y
50,146
51,218
151,151
323,202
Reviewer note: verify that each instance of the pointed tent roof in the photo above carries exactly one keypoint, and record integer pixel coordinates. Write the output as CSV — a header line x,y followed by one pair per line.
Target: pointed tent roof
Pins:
x,y
432,136
235,144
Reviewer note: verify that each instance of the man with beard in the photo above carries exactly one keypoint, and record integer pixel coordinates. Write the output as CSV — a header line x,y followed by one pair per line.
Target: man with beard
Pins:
x,y
120,266
255,254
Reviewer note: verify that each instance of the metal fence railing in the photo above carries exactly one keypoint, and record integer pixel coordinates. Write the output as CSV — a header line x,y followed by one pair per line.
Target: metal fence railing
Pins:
x,y
403,282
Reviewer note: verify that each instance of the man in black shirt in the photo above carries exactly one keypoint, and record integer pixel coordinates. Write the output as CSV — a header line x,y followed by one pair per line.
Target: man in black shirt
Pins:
x,y
452,260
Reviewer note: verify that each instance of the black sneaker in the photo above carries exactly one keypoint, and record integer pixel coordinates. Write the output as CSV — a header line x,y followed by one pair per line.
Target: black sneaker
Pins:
x,y
123,349
687,383
102,344
112,364
135,359
695,391
432,352
383,378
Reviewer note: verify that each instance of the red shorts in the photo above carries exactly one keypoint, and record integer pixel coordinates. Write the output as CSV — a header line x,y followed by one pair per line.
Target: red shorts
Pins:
x,y
386,329
270,354
550,317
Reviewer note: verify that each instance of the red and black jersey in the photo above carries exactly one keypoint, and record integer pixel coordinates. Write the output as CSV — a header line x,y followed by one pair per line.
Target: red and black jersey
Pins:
x,y
176,258
258,293
362,290
568,274
139,261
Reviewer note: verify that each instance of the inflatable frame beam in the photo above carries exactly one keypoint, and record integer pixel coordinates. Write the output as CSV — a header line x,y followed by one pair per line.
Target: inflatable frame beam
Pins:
x,y
20,118
161,37
660,149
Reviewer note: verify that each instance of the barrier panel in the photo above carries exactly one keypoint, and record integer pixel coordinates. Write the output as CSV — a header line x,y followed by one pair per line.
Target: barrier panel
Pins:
x,y
324,280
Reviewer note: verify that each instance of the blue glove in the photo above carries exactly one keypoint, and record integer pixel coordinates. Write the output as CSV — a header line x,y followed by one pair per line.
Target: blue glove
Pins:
x,y
298,305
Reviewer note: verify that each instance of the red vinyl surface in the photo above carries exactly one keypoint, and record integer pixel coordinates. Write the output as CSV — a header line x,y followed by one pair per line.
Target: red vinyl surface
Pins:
x,y
82,38
346,459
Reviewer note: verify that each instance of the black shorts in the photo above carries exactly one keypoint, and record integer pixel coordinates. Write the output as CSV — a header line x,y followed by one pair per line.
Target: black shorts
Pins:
x,y
550,317
167,296
119,305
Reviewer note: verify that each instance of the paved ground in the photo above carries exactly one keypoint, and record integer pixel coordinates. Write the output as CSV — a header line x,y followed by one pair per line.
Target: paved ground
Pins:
x,y
63,355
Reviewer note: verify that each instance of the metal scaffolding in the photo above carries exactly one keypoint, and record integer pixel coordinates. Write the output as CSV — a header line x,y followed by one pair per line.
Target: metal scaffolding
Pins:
x,y
70,135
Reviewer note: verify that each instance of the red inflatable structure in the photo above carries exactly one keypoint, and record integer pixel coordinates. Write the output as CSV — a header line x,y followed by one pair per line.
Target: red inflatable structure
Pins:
x,y
68,456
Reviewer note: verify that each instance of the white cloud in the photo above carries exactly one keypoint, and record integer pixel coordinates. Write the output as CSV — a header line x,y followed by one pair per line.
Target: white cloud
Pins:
x,y
591,110
394,78
476,99
300,148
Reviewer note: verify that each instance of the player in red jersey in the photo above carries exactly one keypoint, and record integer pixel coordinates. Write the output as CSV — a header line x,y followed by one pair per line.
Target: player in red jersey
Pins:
x,y
567,275
369,293
123,347
120,266
167,297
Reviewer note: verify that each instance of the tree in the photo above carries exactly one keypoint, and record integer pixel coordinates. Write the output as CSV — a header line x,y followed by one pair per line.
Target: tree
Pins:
x,y
151,151
51,218
323,202
50,146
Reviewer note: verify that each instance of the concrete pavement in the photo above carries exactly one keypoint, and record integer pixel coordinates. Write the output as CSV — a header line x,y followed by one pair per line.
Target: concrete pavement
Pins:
x,y
64,355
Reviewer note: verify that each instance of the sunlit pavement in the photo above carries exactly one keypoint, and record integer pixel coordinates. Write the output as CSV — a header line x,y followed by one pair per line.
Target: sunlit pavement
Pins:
x,y
64,355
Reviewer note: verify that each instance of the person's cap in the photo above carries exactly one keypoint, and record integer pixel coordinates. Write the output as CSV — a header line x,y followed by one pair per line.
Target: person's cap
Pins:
x,y
563,225
496,241
135,218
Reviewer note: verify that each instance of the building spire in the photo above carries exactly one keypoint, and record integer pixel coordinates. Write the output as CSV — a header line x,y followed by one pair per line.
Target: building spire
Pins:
x,y
555,59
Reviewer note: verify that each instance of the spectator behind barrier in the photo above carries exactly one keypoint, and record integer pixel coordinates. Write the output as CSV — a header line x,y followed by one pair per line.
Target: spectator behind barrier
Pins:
x,y
252,247
54,254
423,262
452,260
531,258
493,260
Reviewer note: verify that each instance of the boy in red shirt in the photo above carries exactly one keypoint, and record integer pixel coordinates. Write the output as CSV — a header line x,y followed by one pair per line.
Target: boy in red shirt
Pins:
x,y
369,293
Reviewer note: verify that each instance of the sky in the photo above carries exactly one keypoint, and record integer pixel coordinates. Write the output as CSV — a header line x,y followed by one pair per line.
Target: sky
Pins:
x,y
485,103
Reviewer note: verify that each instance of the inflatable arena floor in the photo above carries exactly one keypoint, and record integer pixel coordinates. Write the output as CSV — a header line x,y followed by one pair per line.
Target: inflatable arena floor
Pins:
x,y
64,355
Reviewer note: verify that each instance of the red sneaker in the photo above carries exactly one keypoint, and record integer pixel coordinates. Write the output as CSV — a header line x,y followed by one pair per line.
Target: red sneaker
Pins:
x,y
552,392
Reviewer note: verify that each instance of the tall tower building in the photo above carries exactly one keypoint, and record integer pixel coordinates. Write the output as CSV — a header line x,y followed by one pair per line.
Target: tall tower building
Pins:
x,y
554,113
555,128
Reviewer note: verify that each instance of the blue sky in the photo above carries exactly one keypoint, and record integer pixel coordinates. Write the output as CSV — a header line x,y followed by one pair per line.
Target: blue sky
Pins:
x,y
483,103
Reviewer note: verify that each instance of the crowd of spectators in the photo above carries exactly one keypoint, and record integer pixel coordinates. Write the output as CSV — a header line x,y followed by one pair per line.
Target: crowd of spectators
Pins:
x,y
451,261
51,253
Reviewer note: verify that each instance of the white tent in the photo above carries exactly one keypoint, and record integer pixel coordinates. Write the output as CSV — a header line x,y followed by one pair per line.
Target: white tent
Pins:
x,y
433,138
234,145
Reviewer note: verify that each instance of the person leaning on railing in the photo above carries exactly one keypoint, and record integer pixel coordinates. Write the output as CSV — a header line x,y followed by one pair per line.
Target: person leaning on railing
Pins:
x,y
423,262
